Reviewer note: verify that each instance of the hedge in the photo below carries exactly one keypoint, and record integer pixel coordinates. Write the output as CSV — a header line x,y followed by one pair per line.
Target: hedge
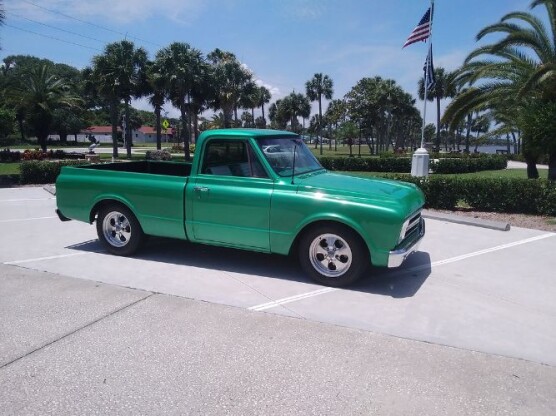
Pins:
x,y
509,195
403,164
40,171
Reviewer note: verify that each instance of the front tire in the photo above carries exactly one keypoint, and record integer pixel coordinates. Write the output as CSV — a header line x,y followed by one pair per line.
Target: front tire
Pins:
x,y
119,230
333,255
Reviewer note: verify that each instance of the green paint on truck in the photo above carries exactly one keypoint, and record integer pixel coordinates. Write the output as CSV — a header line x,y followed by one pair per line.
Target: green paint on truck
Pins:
x,y
260,190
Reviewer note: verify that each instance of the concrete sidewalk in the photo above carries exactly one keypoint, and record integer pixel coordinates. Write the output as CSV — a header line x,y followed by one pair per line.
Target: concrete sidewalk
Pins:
x,y
72,346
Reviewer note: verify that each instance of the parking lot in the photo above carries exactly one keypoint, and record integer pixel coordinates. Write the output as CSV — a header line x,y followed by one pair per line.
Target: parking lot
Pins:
x,y
472,288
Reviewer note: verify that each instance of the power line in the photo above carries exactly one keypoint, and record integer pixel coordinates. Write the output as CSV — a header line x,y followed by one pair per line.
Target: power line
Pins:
x,y
89,23
52,37
57,28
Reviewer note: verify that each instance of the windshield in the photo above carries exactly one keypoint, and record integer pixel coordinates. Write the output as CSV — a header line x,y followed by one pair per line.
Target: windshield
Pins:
x,y
279,153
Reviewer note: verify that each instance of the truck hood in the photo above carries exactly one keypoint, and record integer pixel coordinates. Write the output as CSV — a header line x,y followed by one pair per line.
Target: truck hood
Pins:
x,y
403,197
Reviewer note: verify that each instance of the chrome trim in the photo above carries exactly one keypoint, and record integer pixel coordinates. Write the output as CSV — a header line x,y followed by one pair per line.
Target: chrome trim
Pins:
x,y
397,257
413,221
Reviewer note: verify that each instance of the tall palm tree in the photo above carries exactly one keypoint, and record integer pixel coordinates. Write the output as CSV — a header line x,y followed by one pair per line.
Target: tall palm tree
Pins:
x,y
249,99
40,94
443,88
320,85
264,98
119,74
156,89
516,72
181,65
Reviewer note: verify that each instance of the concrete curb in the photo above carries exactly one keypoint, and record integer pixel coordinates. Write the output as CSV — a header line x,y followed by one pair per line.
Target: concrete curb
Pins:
x,y
458,219
50,189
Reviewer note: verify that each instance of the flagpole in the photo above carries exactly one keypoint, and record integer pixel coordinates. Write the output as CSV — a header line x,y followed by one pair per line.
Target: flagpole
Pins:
x,y
427,75
420,159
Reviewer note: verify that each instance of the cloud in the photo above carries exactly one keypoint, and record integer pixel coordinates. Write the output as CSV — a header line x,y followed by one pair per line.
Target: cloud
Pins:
x,y
110,11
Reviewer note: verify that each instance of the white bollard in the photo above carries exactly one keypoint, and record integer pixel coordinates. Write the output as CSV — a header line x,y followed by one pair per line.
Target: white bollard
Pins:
x,y
420,163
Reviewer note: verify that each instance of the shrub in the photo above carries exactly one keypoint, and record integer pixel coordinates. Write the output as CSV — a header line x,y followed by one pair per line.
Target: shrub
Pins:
x,y
469,164
7,155
40,171
368,164
158,155
390,163
510,195
178,148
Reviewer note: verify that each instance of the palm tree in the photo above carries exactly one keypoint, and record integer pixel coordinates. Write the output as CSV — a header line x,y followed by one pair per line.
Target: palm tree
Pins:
x,y
293,106
443,88
40,94
249,99
519,70
320,85
229,79
264,98
119,74
180,67
157,95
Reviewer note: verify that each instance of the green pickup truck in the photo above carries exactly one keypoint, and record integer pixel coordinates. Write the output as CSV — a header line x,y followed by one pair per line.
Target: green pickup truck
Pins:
x,y
260,190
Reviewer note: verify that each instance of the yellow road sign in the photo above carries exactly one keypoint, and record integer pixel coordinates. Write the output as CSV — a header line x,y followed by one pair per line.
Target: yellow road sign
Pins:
x,y
165,124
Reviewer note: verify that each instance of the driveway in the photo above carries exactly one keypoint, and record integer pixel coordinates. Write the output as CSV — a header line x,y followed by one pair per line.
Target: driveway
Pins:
x,y
469,291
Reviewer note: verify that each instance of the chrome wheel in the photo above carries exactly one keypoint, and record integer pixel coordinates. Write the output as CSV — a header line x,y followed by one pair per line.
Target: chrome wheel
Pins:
x,y
116,229
330,255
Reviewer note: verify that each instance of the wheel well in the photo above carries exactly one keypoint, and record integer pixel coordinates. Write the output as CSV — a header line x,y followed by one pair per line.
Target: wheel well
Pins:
x,y
101,204
295,245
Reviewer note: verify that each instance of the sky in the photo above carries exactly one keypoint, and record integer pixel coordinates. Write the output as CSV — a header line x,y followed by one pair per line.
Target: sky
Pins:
x,y
283,42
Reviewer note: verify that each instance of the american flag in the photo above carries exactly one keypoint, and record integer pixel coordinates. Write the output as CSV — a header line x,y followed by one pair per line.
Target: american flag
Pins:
x,y
422,31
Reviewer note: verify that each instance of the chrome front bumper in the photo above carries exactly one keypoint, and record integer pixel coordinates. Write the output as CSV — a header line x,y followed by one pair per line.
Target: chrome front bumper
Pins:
x,y
398,256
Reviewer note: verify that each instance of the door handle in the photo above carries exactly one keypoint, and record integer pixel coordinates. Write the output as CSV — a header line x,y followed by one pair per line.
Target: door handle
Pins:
x,y
201,189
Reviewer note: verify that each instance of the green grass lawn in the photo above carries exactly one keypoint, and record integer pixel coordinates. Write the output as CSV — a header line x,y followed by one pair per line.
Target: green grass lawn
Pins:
x,y
9,169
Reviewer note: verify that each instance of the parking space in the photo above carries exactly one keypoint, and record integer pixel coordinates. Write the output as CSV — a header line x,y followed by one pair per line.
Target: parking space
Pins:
x,y
468,287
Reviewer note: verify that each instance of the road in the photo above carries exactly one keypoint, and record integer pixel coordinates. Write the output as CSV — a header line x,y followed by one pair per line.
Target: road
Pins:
x,y
466,326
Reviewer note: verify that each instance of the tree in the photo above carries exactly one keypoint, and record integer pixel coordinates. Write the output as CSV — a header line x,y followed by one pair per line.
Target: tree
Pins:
x,y
229,78
443,88
382,108
320,85
17,67
289,109
119,74
264,98
40,94
347,132
156,90
181,67
515,74
249,99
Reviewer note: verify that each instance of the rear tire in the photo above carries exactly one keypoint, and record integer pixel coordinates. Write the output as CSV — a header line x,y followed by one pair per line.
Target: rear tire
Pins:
x,y
119,230
333,255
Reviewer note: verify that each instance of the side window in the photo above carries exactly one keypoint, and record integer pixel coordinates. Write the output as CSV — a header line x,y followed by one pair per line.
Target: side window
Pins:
x,y
231,158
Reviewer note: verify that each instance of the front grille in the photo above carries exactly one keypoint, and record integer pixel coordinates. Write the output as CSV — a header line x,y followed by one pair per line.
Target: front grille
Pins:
x,y
413,224
410,226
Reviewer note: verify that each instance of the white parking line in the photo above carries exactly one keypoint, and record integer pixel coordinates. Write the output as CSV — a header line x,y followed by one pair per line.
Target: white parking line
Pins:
x,y
27,199
61,256
273,304
29,219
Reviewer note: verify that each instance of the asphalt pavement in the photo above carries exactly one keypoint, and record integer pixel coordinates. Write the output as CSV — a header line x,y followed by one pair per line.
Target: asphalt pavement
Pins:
x,y
466,327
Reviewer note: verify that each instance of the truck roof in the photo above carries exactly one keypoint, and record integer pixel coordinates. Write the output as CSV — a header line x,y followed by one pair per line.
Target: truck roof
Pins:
x,y
245,133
